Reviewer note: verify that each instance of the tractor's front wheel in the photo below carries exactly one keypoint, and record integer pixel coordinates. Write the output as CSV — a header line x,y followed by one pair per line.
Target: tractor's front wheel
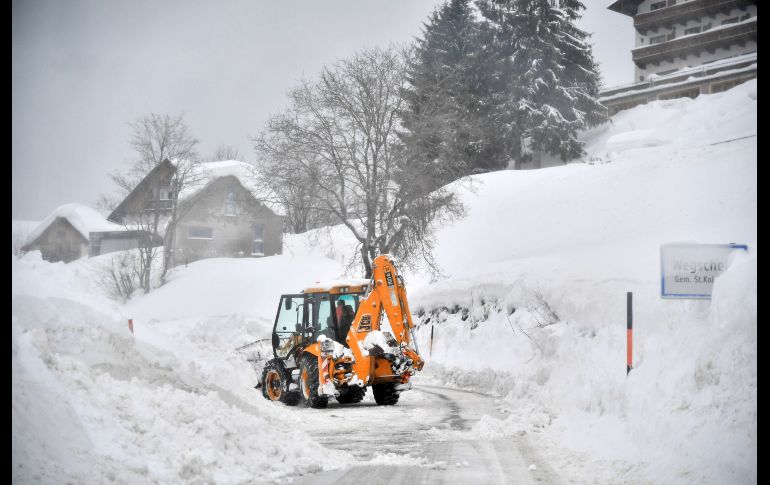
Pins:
x,y
275,383
308,383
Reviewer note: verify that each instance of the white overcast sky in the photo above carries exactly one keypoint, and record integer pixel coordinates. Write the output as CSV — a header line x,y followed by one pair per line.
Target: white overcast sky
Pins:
x,y
83,69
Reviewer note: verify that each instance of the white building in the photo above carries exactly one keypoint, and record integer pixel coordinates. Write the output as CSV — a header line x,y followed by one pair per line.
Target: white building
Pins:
x,y
686,48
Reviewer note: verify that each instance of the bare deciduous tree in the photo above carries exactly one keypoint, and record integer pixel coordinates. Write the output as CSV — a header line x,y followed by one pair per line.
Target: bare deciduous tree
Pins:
x,y
225,152
120,275
19,238
186,175
155,138
339,135
293,190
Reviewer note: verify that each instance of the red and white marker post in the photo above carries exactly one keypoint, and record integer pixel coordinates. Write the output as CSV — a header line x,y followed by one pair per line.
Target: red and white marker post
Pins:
x,y
629,333
131,324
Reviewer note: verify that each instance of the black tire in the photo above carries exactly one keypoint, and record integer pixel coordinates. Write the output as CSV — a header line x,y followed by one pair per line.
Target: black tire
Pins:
x,y
351,395
385,394
275,383
308,383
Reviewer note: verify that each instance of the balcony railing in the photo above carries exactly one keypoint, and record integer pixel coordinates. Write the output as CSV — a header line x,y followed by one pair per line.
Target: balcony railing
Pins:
x,y
667,17
692,44
158,204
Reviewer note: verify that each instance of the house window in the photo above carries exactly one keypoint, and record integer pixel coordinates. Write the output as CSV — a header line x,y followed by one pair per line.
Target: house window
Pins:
x,y
658,39
658,5
692,30
257,244
164,192
200,232
731,20
230,208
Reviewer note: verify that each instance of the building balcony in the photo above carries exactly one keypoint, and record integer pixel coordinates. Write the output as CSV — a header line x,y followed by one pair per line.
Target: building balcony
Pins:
x,y
158,204
667,17
708,41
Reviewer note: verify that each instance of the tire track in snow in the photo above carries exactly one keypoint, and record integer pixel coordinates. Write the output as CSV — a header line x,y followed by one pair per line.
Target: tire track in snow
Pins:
x,y
427,438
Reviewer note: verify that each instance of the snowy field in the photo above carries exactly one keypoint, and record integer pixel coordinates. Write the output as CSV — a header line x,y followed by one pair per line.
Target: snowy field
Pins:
x,y
531,310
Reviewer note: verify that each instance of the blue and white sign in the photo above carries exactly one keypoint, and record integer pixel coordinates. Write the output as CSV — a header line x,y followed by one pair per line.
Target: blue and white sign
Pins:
x,y
689,270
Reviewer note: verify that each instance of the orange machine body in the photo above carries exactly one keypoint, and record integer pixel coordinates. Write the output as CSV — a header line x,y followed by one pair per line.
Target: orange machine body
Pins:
x,y
386,297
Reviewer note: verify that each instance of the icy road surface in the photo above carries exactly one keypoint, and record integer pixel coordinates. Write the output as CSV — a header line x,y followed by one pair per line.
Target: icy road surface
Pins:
x,y
428,437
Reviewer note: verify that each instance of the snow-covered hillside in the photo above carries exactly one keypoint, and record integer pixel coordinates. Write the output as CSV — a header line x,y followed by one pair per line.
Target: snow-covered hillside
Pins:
x,y
543,263
532,309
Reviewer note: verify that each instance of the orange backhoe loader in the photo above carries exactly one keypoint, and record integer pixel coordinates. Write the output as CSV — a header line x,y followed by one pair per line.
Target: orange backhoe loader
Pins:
x,y
331,341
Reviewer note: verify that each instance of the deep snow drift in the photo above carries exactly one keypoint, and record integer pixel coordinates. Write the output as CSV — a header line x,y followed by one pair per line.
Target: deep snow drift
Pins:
x,y
543,264
532,308
170,403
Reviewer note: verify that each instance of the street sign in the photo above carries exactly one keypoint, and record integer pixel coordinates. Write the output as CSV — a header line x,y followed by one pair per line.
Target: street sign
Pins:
x,y
688,270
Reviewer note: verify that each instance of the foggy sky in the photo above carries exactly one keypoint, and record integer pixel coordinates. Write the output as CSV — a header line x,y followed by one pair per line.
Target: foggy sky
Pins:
x,y
84,69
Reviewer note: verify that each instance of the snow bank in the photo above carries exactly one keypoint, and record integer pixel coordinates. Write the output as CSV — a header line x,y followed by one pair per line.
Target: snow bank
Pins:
x,y
635,139
94,402
534,306
224,286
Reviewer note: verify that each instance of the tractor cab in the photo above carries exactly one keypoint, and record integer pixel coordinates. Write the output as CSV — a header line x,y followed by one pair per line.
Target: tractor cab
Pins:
x,y
324,309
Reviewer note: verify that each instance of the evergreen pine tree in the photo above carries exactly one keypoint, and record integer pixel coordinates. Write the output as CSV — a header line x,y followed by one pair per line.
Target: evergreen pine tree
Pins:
x,y
553,78
448,128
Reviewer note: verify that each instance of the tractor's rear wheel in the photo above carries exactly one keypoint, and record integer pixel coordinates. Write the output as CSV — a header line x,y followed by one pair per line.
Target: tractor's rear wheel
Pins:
x,y
308,383
385,394
275,383
350,395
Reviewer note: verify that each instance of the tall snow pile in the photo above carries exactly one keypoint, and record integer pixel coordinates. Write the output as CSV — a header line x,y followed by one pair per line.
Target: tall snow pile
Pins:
x,y
533,307
170,403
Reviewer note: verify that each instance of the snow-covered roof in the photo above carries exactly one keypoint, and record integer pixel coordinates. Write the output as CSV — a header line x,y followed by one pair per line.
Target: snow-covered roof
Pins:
x,y
83,218
331,284
207,172
704,68
689,80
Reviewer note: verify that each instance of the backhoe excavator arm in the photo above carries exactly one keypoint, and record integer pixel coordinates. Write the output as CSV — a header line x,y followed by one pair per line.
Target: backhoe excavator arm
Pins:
x,y
387,296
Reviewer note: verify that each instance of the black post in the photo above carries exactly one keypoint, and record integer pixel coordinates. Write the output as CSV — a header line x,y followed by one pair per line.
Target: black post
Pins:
x,y
629,331
431,340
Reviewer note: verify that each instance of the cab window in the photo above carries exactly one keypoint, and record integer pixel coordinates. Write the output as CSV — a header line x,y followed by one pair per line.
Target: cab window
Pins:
x,y
288,324
346,307
322,321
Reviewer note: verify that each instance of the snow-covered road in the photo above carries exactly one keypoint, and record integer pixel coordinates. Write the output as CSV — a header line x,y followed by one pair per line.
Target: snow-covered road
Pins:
x,y
431,436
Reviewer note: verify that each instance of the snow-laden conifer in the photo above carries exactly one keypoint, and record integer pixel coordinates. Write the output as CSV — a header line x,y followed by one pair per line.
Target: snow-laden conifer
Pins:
x,y
552,78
